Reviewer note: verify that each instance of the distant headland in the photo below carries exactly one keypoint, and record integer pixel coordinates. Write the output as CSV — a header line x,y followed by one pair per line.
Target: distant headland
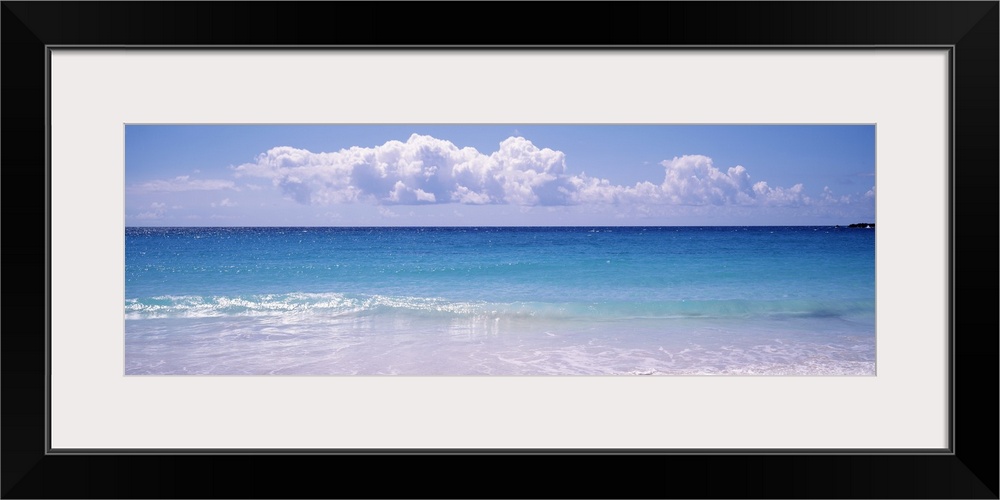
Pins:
x,y
861,225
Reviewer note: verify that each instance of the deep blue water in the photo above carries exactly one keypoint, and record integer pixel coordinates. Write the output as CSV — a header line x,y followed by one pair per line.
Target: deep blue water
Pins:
x,y
528,300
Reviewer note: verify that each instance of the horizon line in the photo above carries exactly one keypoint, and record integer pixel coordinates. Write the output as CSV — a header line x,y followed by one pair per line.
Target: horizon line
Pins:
x,y
501,226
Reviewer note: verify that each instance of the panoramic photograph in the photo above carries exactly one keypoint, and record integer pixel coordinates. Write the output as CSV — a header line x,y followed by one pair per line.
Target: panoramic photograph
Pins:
x,y
506,250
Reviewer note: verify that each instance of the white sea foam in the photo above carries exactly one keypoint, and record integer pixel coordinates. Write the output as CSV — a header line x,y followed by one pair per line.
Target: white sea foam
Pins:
x,y
183,306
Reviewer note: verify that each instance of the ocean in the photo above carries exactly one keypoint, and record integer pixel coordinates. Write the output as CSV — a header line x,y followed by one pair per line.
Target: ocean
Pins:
x,y
503,301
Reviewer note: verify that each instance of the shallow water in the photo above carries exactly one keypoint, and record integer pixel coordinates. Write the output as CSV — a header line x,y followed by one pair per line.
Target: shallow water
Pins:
x,y
500,301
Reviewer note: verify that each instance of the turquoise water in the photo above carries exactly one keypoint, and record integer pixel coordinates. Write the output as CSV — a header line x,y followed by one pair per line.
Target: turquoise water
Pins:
x,y
507,301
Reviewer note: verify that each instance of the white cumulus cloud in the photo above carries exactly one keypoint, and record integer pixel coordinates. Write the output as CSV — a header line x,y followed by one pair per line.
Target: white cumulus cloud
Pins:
x,y
421,170
792,196
426,170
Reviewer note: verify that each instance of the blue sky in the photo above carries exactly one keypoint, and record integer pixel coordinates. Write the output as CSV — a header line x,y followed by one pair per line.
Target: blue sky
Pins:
x,y
467,175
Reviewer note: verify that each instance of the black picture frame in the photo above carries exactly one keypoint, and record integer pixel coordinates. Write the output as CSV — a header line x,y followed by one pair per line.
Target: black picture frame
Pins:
x,y
968,470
